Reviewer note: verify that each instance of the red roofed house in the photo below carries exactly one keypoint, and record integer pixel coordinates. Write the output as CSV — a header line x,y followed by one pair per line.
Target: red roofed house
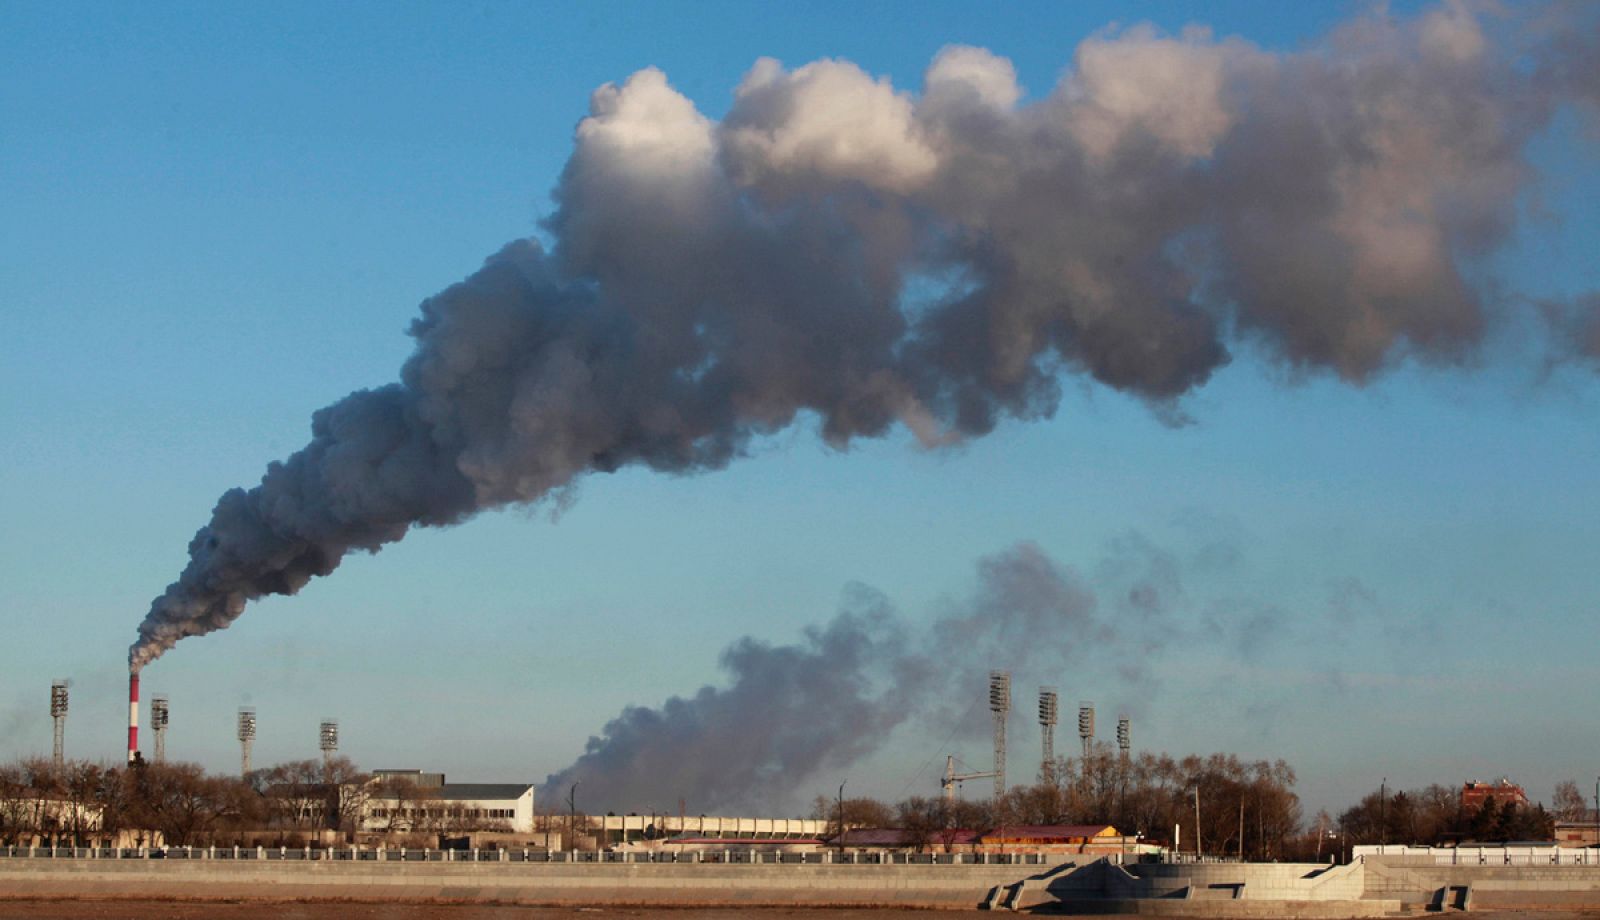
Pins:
x,y
1056,838
1474,794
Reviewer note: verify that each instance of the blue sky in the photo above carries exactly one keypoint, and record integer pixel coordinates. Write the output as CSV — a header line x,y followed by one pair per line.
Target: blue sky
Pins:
x,y
217,218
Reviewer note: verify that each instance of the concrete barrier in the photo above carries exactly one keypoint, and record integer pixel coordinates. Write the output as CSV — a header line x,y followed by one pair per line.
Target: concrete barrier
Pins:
x,y
1367,888
684,884
1419,881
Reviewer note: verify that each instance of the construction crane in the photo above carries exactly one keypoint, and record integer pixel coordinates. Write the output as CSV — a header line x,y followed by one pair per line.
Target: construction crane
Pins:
x,y
951,778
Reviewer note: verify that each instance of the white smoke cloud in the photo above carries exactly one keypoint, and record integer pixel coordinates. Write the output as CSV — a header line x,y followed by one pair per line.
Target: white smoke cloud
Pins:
x,y
709,283
826,123
1140,84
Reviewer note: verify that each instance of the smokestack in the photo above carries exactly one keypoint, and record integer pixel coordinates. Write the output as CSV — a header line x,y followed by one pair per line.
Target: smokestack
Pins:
x,y
133,716
58,713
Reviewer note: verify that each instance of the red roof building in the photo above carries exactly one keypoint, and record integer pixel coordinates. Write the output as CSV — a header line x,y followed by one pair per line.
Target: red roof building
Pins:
x,y
894,837
1474,794
1048,834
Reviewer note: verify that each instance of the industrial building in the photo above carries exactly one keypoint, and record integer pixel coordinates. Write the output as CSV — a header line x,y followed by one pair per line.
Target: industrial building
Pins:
x,y
408,801
1583,832
624,829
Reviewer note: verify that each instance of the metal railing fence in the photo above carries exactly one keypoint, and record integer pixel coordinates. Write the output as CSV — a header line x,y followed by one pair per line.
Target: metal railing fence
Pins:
x,y
727,856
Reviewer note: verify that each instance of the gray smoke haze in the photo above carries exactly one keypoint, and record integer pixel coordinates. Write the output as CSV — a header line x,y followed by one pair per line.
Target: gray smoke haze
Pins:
x,y
788,712
1577,322
708,283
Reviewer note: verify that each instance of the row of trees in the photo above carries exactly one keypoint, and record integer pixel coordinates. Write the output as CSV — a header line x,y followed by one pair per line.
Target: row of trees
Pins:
x,y
1436,814
1243,807
83,801
1216,804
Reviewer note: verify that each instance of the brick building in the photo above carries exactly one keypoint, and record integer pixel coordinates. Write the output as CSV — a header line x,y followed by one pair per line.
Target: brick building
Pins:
x,y
1474,794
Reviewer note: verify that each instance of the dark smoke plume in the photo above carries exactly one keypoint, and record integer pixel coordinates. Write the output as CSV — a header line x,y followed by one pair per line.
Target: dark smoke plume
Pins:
x,y
710,282
790,711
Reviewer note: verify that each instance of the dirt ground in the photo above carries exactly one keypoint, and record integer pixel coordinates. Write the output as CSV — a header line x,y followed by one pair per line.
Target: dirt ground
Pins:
x,y
264,910
247,910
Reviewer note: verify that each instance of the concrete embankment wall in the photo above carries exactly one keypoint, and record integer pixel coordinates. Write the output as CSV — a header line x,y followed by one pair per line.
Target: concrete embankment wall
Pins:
x,y
1417,881
662,885
1281,890
1241,881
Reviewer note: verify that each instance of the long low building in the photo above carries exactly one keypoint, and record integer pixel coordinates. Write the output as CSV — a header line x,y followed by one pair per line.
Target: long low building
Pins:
x,y
454,807
617,829
417,803
411,801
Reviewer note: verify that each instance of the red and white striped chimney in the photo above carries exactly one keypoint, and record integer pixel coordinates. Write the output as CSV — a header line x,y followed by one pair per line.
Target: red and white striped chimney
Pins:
x,y
133,716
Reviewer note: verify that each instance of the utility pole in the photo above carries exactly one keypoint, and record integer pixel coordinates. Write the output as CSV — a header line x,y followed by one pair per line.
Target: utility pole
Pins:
x,y
572,817
1197,823
840,838
1383,813
1241,828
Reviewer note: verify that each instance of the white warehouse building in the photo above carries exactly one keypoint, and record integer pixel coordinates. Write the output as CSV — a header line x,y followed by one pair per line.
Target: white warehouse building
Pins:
x,y
425,802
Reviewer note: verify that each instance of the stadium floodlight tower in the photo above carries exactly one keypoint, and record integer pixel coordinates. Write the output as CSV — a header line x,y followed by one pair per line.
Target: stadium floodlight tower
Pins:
x,y
58,713
1000,705
159,715
1047,723
1124,743
247,734
1086,733
328,740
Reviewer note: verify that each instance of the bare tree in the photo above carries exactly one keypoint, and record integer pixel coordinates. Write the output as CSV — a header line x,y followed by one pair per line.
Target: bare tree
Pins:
x,y
82,806
858,812
1149,794
296,794
398,805
920,820
17,819
347,791
180,801
1568,803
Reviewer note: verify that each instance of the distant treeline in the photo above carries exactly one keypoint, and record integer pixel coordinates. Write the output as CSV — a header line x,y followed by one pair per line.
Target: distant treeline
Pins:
x,y
178,804
1242,808
1241,803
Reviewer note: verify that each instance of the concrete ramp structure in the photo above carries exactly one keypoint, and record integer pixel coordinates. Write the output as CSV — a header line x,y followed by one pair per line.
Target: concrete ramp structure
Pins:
x,y
1424,881
1277,890
1369,887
